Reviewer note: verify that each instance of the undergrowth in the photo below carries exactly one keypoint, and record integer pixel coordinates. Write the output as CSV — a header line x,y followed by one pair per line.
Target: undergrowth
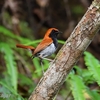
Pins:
x,y
17,84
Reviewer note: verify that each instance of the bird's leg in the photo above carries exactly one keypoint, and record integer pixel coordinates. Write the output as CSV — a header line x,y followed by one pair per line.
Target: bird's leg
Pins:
x,y
41,62
47,59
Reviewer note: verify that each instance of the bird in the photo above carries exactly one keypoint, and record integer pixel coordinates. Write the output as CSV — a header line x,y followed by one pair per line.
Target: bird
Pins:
x,y
46,47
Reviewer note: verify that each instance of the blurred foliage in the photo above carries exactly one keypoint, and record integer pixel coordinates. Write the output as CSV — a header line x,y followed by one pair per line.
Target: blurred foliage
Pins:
x,y
15,83
78,9
83,82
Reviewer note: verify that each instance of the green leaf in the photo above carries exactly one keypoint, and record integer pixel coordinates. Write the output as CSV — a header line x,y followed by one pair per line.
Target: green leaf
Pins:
x,y
77,87
87,77
61,41
38,67
94,95
25,80
78,70
93,66
8,87
10,63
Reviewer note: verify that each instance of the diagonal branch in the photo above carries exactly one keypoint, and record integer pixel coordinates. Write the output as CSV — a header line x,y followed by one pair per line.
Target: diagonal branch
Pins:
x,y
69,54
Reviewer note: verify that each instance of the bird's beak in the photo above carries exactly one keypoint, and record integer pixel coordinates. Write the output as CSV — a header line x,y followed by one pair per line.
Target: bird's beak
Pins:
x,y
59,32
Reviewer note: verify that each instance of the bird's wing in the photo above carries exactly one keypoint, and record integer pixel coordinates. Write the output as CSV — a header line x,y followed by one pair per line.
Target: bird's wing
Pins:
x,y
25,47
43,44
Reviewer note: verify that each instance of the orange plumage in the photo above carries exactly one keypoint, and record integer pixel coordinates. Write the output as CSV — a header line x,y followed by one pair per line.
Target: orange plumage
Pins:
x,y
25,47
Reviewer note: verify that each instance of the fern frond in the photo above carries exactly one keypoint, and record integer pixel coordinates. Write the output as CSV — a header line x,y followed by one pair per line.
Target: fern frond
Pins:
x,y
10,63
77,87
93,66
93,94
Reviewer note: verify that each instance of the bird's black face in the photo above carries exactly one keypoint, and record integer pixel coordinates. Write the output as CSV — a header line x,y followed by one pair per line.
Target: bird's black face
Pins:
x,y
54,33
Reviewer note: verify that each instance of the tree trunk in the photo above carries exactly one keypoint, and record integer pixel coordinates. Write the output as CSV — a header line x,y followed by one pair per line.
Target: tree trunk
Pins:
x,y
69,54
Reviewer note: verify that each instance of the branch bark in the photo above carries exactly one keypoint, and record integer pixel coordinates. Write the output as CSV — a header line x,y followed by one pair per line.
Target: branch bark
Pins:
x,y
69,54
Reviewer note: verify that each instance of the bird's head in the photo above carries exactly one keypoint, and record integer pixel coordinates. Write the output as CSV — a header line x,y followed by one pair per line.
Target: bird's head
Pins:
x,y
52,32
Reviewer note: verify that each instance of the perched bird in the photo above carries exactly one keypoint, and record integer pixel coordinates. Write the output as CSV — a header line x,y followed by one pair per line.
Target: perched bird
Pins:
x,y
46,47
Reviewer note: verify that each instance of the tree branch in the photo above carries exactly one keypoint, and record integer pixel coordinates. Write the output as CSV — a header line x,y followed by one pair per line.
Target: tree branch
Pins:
x,y
69,54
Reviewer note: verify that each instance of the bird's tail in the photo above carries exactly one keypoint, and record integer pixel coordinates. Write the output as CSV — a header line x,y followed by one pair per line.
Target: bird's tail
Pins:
x,y
25,47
